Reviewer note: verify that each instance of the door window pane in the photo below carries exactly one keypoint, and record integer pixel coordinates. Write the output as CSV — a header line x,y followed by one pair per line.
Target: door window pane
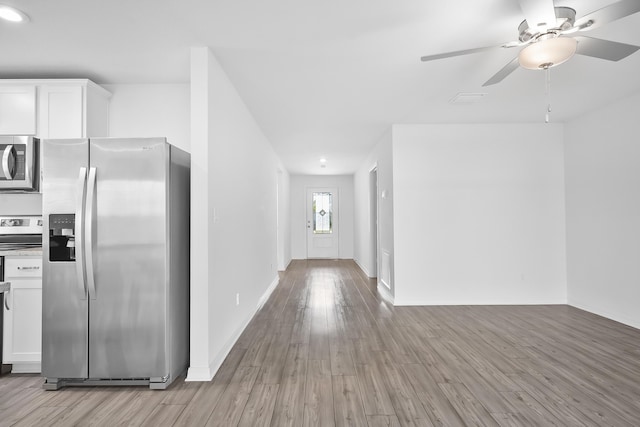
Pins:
x,y
322,213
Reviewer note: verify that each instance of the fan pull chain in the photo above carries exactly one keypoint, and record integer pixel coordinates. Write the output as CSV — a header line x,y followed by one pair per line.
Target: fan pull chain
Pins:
x,y
547,73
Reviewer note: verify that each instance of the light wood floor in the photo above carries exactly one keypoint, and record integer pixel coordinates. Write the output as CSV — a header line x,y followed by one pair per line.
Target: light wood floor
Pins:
x,y
327,350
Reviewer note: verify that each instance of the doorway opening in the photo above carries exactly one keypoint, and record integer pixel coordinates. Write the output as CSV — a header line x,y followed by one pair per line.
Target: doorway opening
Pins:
x,y
373,221
322,223
280,225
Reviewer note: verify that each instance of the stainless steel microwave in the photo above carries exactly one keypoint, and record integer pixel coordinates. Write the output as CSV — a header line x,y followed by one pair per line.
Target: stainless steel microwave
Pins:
x,y
19,163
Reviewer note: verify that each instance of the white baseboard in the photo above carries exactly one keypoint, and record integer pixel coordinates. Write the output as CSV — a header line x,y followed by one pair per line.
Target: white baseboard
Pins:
x,y
386,293
604,313
199,373
364,269
401,302
26,368
207,373
267,293
286,266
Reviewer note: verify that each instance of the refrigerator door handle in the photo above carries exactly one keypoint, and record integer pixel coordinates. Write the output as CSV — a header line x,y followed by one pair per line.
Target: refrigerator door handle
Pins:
x,y
79,231
89,232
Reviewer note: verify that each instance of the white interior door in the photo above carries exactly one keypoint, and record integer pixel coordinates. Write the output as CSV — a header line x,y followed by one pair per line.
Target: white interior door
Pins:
x,y
322,223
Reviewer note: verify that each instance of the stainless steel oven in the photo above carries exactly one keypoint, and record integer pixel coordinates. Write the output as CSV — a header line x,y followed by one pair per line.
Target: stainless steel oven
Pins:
x,y
19,163
20,232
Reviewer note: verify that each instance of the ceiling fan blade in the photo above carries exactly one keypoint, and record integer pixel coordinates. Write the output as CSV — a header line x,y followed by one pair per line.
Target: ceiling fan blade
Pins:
x,y
504,72
457,53
539,13
604,49
608,14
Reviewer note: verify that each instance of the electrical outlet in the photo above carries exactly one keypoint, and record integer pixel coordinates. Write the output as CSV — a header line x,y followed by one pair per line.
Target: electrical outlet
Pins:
x,y
237,299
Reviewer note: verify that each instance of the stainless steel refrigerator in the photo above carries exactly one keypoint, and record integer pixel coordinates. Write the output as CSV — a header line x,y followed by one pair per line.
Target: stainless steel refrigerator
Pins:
x,y
115,292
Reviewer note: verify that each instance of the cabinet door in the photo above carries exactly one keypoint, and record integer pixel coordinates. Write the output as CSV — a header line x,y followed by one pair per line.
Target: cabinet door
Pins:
x,y
17,110
22,341
61,112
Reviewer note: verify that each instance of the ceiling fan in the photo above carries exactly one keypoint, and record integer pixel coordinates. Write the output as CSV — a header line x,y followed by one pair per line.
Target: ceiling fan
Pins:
x,y
547,37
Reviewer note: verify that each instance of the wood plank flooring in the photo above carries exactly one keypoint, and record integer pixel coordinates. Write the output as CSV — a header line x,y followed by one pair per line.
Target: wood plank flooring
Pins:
x,y
327,350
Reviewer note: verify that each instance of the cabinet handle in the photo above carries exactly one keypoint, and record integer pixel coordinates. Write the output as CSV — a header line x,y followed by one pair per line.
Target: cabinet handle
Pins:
x,y
35,267
6,299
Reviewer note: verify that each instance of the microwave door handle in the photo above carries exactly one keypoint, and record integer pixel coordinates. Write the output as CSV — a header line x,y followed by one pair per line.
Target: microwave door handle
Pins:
x,y
6,166
79,231
90,232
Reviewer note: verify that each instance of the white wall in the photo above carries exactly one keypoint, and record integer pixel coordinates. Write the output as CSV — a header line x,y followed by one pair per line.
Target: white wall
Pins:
x,y
299,185
234,208
284,220
602,162
479,214
148,110
380,158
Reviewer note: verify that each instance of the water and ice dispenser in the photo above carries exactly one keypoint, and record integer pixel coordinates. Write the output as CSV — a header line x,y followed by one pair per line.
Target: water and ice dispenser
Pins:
x,y
62,240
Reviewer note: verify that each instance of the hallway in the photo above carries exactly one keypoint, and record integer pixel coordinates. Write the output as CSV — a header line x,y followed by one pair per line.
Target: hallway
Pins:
x,y
327,350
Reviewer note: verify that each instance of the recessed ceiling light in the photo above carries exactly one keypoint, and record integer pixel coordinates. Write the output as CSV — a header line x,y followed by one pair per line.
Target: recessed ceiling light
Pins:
x,y
323,160
12,14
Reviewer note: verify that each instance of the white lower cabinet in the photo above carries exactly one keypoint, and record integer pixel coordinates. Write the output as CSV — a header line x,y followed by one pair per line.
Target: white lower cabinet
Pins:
x,y
22,341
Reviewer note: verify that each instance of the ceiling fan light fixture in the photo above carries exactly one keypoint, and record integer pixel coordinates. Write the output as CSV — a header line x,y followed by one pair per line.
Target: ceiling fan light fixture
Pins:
x,y
12,14
547,53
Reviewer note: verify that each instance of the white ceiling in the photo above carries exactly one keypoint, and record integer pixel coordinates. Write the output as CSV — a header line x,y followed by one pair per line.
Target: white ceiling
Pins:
x,y
322,78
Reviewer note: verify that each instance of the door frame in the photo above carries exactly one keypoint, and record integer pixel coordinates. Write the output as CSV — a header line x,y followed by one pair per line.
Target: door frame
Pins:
x,y
374,214
335,191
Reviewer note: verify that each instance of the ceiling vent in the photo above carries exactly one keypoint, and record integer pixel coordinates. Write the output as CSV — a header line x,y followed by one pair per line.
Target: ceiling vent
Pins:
x,y
467,98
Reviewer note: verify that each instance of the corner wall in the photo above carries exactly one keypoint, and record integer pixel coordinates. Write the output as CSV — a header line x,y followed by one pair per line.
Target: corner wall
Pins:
x,y
479,214
602,163
234,215
381,159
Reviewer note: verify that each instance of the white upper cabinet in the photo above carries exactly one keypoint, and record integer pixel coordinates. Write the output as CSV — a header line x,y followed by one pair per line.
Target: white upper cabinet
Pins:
x,y
58,108
18,110
61,112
